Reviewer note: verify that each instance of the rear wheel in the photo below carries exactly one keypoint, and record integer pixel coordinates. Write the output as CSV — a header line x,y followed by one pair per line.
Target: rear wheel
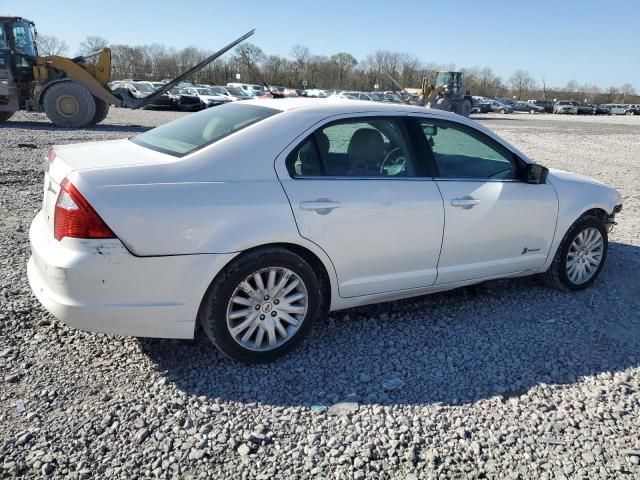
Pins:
x,y
69,104
102,110
580,256
4,116
262,305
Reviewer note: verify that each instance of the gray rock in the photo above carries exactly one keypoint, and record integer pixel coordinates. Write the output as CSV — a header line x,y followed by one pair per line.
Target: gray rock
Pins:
x,y
142,435
47,469
244,450
24,438
343,408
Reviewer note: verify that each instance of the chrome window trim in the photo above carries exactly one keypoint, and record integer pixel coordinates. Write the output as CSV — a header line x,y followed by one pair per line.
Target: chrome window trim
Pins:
x,y
327,177
484,180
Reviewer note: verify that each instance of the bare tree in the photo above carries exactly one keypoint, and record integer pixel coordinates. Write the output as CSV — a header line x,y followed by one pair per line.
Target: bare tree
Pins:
x,y
572,86
344,63
612,92
93,44
521,82
627,90
49,45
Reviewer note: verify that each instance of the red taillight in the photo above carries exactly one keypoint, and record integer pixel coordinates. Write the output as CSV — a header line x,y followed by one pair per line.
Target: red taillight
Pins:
x,y
75,218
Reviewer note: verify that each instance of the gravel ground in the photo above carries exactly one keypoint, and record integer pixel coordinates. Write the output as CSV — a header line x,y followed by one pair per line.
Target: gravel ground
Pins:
x,y
504,380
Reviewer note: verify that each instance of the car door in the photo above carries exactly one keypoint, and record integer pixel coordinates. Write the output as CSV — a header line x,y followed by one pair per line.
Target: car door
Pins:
x,y
495,223
356,191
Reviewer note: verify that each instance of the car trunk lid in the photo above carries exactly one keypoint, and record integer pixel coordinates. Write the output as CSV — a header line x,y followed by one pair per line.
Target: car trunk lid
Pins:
x,y
90,156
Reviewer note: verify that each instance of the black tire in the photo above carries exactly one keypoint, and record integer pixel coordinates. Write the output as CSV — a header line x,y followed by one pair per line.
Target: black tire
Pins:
x,y
503,111
4,116
465,108
69,104
556,276
213,310
102,110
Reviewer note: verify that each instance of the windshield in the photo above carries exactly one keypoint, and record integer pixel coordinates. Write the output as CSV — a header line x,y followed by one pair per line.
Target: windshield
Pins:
x,y
23,39
187,134
143,87
204,91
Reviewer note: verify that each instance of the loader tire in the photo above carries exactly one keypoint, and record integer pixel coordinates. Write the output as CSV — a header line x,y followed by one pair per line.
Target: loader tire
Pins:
x,y
4,116
102,110
69,104
465,108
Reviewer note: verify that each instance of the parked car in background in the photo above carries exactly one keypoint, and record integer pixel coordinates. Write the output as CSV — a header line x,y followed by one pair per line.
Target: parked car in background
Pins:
x,y
546,104
617,109
500,107
480,105
380,97
239,93
142,90
633,110
566,107
506,101
185,103
211,221
354,96
208,97
585,108
601,110
527,107
227,92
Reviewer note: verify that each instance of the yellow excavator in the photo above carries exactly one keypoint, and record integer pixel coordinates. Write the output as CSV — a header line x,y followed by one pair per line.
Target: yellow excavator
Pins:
x,y
72,92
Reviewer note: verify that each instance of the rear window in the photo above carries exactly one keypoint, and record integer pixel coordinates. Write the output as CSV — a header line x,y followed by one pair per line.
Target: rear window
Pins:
x,y
197,130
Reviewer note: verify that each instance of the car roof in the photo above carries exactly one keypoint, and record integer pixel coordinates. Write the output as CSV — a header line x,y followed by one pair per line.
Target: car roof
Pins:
x,y
332,106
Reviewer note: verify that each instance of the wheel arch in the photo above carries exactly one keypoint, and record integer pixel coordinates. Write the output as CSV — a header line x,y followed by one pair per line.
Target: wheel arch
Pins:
x,y
562,229
318,261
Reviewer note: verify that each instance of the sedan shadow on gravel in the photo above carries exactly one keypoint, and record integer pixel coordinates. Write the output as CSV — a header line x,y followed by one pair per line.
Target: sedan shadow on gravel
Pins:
x,y
500,338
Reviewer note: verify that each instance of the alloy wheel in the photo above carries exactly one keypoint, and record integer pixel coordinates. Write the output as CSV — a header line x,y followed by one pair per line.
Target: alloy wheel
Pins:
x,y
267,308
585,255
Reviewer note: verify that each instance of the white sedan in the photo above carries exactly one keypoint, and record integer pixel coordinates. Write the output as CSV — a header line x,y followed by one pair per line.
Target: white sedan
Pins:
x,y
255,218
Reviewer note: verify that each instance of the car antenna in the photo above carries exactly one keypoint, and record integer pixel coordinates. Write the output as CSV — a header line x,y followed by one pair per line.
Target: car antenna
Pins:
x,y
397,84
257,74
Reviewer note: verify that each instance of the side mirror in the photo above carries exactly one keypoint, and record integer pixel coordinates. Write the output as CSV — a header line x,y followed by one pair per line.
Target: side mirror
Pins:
x,y
536,174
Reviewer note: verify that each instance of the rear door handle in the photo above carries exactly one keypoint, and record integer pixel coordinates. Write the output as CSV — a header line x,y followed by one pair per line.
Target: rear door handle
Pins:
x,y
321,206
465,202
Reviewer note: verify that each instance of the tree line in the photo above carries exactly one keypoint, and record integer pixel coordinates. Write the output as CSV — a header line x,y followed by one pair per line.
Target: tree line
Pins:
x,y
339,71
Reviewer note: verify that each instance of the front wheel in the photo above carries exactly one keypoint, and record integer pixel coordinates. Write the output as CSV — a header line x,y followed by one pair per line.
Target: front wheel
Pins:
x,y
262,305
580,256
503,111
4,116
69,104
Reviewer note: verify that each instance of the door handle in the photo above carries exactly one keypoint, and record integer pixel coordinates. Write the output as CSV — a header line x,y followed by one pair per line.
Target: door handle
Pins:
x,y
321,206
465,202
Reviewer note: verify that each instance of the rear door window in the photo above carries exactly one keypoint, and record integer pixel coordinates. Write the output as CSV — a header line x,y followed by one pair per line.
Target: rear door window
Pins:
x,y
368,147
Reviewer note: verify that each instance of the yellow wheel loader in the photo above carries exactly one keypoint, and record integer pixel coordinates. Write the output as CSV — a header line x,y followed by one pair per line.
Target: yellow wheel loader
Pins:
x,y
72,92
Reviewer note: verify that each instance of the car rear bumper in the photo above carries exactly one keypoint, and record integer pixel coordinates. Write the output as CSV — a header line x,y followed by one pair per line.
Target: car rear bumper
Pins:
x,y
97,285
